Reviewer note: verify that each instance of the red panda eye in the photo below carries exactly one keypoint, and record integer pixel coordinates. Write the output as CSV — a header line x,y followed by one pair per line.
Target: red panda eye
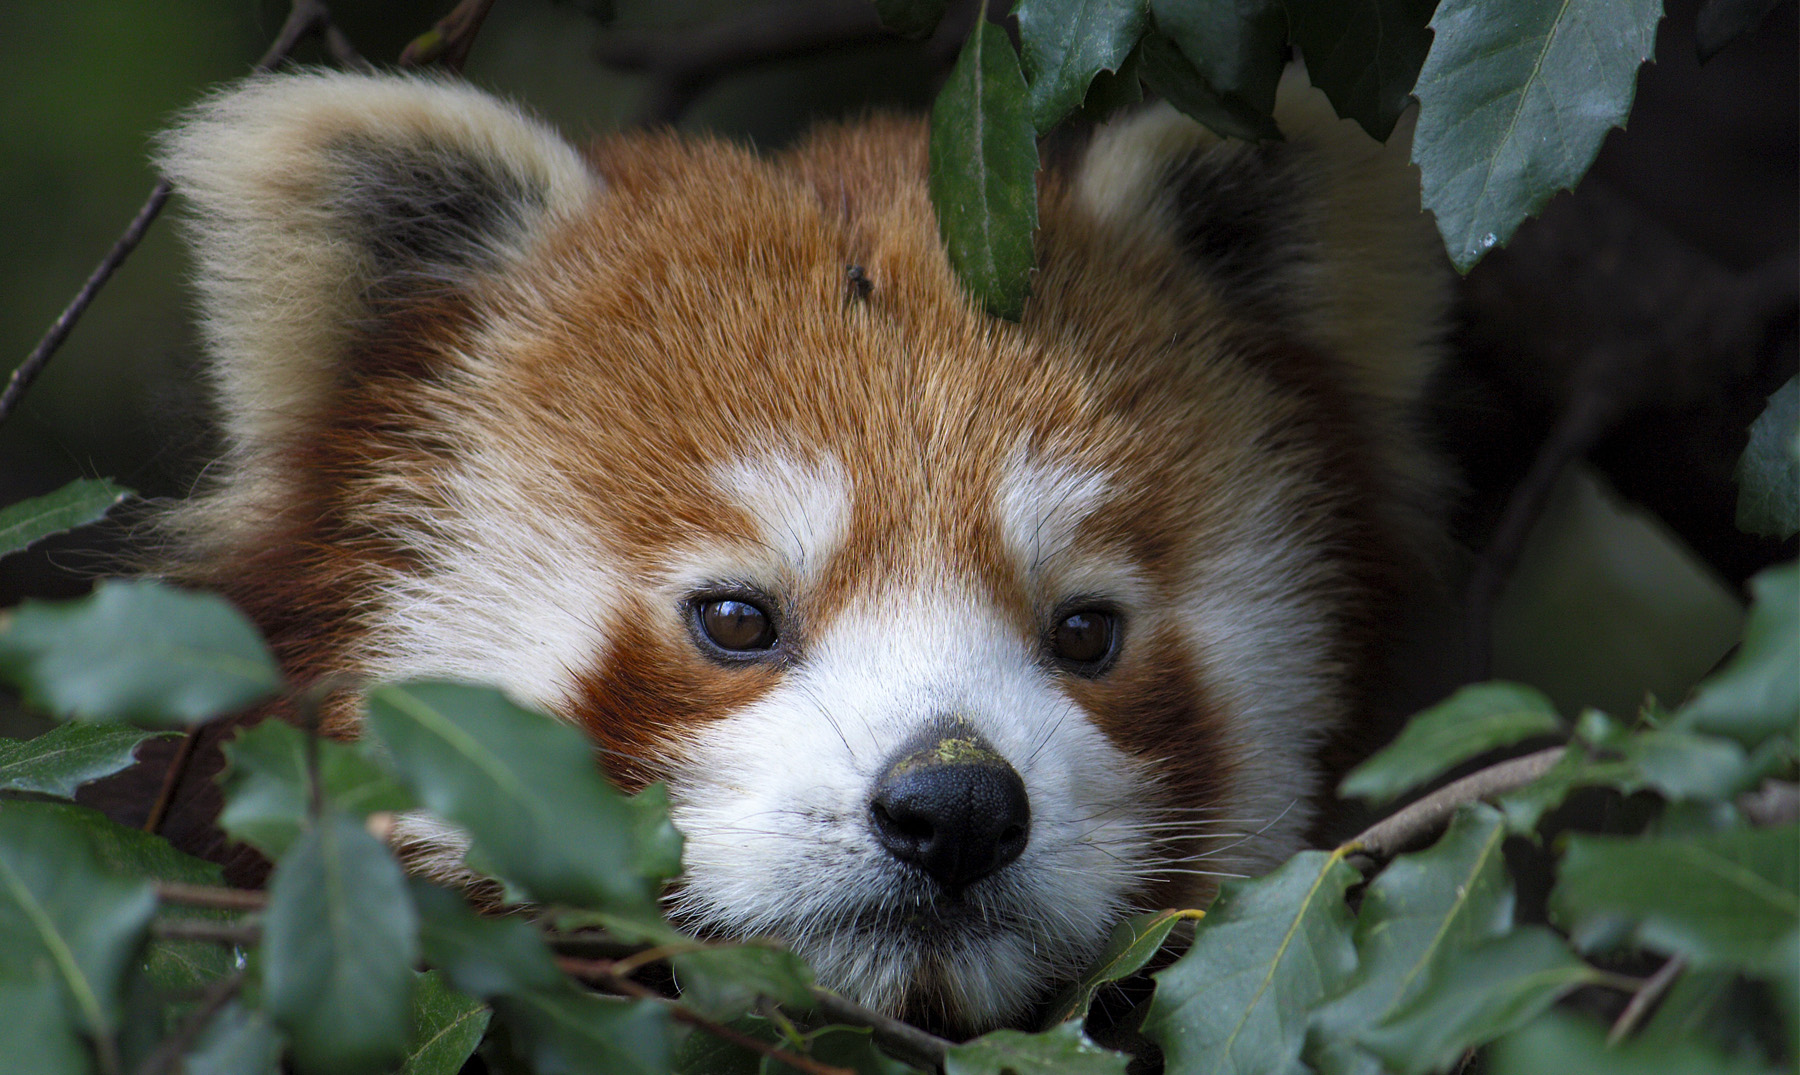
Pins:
x,y
1084,640
734,625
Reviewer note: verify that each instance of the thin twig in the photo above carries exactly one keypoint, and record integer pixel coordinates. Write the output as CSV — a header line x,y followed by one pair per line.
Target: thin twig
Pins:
x,y
449,40
1402,829
601,972
240,934
178,765
304,16
1644,999
222,899
168,1056
907,1043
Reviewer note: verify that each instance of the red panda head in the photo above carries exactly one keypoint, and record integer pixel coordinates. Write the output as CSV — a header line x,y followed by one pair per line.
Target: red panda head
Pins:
x,y
954,639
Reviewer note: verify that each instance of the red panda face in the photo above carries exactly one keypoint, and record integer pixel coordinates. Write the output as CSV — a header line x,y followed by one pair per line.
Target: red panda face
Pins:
x,y
954,640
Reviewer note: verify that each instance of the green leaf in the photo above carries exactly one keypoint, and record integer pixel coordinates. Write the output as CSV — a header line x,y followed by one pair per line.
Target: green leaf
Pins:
x,y
1065,43
1420,914
1718,899
569,1032
845,1047
1365,54
66,920
983,166
1569,1043
1486,993
139,651
52,1047
1238,47
911,18
1473,721
551,1025
1172,76
1267,952
264,784
339,942
68,756
447,1025
1768,473
1514,100
172,966
523,785
75,504
240,1041
653,836
1132,944
1062,1050
1757,695
725,981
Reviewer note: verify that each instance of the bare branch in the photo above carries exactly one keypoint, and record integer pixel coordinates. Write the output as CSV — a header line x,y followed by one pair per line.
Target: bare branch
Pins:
x,y
304,17
906,1042
223,899
178,766
1419,820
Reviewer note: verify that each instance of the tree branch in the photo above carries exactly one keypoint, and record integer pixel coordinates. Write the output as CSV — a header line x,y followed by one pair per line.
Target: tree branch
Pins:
x,y
304,17
906,1042
223,899
1415,822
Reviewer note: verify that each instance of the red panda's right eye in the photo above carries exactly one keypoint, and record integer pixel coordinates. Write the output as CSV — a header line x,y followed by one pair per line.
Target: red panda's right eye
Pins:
x,y
736,626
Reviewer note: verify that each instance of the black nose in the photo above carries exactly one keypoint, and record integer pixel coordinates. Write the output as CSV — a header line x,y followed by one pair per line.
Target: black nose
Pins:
x,y
952,807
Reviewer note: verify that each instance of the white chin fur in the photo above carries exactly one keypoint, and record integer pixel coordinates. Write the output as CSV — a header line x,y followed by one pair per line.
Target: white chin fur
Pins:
x,y
774,801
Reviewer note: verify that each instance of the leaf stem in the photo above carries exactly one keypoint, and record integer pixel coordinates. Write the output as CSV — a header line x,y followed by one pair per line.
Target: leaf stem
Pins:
x,y
1644,999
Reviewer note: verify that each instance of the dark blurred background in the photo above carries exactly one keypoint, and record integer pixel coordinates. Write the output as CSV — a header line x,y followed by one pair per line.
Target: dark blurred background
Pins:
x,y
1671,256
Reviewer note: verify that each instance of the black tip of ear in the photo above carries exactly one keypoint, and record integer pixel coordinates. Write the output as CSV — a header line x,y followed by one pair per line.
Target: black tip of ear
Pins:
x,y
424,212
1242,215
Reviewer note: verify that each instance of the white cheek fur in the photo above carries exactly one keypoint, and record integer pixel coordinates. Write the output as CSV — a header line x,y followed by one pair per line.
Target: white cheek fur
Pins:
x,y
774,799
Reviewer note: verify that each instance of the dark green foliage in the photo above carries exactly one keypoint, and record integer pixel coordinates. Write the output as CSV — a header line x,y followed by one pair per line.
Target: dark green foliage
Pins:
x,y
339,942
68,756
1062,1049
1067,43
75,504
1472,722
983,166
1514,99
1365,54
266,785
136,651
1768,475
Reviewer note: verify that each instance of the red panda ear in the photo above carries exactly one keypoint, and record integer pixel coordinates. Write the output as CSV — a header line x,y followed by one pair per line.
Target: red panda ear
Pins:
x,y
315,197
1320,234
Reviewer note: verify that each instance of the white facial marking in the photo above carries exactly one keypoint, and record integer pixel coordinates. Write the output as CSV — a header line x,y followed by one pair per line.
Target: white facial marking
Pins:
x,y
509,593
774,801
802,508
1042,505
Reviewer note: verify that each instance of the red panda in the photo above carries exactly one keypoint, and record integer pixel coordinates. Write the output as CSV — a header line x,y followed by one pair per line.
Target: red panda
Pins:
x,y
955,639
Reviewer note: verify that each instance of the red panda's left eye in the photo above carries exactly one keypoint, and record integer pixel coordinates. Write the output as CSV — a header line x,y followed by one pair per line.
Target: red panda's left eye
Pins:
x,y
1084,639
736,626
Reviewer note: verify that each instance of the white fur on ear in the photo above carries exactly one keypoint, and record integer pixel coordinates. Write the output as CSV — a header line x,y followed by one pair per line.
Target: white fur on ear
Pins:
x,y
312,194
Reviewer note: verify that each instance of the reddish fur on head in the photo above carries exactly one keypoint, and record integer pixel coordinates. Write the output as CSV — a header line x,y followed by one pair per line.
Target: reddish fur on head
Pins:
x,y
498,410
